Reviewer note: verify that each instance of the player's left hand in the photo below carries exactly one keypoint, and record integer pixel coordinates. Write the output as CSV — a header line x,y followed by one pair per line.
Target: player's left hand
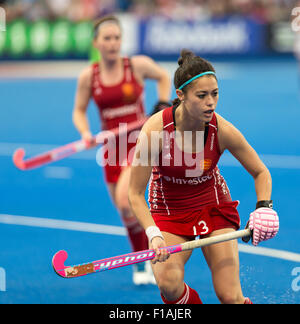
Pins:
x,y
264,223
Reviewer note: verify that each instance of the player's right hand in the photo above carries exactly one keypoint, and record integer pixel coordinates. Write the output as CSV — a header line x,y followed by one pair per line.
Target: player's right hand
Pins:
x,y
158,245
88,137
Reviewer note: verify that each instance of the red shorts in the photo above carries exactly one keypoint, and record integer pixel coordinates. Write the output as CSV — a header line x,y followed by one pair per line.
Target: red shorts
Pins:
x,y
201,222
116,161
112,173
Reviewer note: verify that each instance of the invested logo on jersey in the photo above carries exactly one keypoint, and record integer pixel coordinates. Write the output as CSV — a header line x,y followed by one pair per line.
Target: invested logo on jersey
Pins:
x,y
188,181
128,92
205,164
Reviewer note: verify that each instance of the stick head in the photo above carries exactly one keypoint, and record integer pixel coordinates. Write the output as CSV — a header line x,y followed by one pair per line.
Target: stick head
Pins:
x,y
18,158
58,263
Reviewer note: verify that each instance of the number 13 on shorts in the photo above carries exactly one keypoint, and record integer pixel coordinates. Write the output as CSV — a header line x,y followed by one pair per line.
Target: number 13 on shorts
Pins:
x,y
203,227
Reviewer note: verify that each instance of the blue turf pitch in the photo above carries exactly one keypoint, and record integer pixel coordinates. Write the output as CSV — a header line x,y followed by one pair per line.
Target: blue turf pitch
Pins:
x,y
261,98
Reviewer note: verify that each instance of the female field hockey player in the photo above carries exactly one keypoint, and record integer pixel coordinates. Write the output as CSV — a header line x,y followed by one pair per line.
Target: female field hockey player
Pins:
x,y
187,194
116,84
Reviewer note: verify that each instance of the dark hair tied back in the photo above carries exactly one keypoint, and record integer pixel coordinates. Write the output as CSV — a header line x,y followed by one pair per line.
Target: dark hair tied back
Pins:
x,y
190,65
185,56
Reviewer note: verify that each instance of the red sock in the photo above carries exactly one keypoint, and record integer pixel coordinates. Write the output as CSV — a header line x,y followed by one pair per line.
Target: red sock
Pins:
x,y
248,301
137,236
189,296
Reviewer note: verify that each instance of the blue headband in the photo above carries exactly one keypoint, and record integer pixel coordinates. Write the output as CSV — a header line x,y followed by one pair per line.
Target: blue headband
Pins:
x,y
195,77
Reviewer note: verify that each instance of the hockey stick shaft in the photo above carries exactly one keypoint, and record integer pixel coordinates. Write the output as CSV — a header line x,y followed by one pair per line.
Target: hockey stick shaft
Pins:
x,y
71,148
134,257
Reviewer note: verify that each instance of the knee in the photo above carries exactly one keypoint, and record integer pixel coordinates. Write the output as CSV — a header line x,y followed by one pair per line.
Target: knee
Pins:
x,y
122,202
128,218
170,280
230,297
121,190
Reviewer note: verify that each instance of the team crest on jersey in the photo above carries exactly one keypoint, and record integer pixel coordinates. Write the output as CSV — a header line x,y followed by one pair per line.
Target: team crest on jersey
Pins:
x,y
205,164
98,91
128,92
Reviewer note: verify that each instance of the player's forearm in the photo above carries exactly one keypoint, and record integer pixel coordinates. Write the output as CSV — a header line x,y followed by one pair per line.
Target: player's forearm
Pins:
x,y
80,121
140,209
164,88
263,185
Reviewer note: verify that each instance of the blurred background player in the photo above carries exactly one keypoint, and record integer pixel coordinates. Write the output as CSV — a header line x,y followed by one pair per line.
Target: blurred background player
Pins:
x,y
116,84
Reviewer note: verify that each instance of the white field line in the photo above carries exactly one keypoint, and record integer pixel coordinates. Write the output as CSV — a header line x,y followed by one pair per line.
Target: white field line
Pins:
x,y
119,230
62,224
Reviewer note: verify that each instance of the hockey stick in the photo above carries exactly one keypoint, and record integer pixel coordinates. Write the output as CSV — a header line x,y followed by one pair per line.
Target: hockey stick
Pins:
x,y
135,257
71,148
